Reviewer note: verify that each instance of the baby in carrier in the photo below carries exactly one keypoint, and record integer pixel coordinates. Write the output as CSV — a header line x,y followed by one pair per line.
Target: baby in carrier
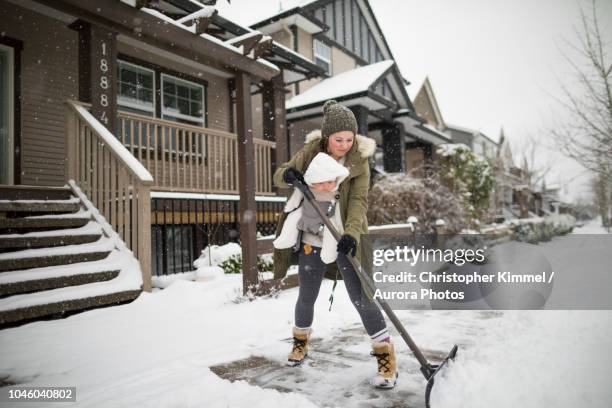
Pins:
x,y
303,225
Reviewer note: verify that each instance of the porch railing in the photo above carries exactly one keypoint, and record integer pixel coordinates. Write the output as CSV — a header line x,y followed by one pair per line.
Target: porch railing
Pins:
x,y
113,180
183,157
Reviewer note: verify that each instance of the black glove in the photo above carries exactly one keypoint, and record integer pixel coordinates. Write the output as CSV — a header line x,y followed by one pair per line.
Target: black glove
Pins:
x,y
291,176
347,244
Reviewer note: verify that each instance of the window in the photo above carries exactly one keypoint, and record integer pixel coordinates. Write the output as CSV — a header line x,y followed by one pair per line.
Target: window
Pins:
x,y
174,248
322,55
135,88
182,101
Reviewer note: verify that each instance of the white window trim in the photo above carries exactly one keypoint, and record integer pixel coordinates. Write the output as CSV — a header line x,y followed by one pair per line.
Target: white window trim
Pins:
x,y
177,115
324,59
11,114
126,103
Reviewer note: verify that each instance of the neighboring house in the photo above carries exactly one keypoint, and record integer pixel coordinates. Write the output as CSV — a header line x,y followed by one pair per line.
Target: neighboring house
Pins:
x,y
151,114
426,106
482,145
515,197
344,39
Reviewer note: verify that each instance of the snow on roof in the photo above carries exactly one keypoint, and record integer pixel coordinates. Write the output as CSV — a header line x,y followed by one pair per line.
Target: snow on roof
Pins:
x,y
247,16
206,12
436,131
461,128
346,83
208,37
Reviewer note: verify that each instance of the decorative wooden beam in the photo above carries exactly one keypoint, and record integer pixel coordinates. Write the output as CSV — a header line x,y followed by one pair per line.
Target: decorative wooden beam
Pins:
x,y
135,24
248,41
263,47
142,3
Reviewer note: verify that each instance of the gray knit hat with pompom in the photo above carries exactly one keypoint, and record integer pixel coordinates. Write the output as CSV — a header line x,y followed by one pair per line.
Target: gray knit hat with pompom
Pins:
x,y
337,118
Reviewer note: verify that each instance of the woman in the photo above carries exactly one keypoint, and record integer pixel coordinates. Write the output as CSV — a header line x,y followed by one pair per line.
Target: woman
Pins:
x,y
338,138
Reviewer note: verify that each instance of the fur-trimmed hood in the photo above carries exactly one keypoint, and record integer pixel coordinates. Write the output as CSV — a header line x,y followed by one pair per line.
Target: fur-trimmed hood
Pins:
x,y
365,145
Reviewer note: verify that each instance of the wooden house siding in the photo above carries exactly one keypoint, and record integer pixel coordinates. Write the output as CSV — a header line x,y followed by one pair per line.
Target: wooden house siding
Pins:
x,y
349,29
49,76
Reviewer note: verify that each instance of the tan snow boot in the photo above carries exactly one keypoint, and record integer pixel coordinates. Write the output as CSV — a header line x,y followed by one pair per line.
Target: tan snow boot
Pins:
x,y
387,365
300,346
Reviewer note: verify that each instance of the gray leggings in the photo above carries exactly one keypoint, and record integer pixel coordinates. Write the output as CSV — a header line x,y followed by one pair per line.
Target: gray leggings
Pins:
x,y
310,273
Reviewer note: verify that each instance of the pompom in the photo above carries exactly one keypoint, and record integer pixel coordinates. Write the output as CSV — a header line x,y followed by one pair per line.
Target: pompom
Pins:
x,y
328,105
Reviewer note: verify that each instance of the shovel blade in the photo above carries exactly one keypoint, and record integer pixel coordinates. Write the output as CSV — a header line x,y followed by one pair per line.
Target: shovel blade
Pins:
x,y
436,369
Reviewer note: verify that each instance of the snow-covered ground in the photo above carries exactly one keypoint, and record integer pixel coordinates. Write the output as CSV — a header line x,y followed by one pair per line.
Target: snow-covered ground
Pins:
x,y
157,352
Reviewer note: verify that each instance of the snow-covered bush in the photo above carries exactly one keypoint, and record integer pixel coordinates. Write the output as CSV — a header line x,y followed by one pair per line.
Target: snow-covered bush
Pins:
x,y
396,197
538,229
229,258
234,264
468,176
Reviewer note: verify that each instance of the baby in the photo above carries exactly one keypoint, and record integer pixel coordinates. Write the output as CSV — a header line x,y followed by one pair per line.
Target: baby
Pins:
x,y
303,224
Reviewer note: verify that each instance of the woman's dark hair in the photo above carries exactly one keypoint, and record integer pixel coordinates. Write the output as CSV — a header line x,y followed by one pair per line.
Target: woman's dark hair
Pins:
x,y
323,143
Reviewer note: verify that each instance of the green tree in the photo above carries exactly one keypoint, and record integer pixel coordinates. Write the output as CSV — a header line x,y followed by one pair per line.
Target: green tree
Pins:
x,y
468,176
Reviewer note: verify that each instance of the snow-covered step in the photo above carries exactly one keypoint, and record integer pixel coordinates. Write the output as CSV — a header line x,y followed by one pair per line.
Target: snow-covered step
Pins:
x,y
11,225
20,243
37,206
64,308
41,257
90,232
60,302
58,256
23,192
36,285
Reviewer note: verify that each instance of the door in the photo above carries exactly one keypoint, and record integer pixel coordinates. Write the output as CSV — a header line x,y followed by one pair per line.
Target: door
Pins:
x,y
6,115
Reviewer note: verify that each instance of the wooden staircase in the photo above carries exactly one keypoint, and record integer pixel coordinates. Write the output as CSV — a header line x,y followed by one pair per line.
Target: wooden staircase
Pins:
x,y
57,259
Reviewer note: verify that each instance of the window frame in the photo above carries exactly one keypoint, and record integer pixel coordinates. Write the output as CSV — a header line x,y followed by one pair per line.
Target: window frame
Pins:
x,y
131,105
164,114
316,56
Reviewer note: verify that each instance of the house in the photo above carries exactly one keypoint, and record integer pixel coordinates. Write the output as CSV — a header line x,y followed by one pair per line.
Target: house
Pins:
x,y
426,107
515,194
343,38
150,114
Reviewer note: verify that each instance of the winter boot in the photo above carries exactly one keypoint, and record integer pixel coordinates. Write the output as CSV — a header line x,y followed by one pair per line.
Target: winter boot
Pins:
x,y
387,365
300,346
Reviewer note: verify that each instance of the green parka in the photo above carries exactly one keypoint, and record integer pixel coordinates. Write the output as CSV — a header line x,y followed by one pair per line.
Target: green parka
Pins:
x,y
353,193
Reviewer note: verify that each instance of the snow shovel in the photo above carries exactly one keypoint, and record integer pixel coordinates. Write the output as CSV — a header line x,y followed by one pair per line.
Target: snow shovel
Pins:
x,y
428,370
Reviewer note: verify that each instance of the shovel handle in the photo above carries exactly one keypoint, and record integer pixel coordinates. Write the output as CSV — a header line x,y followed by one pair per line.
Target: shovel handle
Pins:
x,y
365,279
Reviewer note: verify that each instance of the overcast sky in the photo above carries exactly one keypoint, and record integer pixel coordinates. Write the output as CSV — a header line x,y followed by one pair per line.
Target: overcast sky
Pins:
x,y
492,63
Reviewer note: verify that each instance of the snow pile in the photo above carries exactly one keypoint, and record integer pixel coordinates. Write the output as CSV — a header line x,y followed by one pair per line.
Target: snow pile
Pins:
x,y
213,262
533,360
594,226
214,255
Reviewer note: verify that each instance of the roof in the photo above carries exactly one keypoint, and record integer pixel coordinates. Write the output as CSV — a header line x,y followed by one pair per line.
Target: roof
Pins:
x,y
264,11
470,131
427,93
352,82
295,16
228,30
280,55
415,127
461,129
